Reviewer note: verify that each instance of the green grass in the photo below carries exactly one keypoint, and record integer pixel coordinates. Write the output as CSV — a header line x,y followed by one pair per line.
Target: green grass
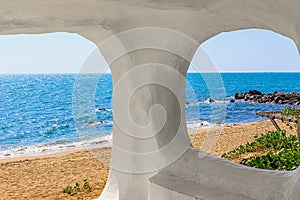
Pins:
x,y
282,152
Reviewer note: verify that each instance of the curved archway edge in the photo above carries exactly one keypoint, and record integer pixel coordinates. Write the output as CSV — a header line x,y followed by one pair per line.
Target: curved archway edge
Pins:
x,y
201,20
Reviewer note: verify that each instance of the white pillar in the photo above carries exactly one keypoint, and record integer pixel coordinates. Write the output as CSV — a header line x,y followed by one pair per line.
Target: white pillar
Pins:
x,y
149,106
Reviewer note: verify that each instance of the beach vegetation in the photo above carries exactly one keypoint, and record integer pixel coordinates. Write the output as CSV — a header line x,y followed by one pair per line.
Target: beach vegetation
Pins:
x,y
69,190
292,112
286,159
78,190
274,151
86,184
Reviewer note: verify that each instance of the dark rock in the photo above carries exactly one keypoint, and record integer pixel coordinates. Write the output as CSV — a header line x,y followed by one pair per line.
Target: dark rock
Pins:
x,y
209,100
231,100
282,95
255,92
275,98
91,123
239,96
265,98
246,97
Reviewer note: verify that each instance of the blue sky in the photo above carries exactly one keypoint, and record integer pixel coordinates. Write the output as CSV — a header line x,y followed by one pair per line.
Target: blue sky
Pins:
x,y
253,50
246,50
44,53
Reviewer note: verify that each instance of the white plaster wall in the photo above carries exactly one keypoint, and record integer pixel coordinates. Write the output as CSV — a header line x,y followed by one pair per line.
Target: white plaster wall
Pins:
x,y
199,19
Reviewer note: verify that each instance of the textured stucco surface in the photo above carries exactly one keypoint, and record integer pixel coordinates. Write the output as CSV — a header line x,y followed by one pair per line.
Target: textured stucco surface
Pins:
x,y
97,20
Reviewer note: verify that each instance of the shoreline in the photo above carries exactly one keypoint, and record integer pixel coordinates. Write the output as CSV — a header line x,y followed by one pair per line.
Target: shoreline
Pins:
x,y
47,149
45,176
195,136
55,147
99,142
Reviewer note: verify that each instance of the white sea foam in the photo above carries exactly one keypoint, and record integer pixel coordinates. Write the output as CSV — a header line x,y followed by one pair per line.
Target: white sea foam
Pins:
x,y
58,146
198,124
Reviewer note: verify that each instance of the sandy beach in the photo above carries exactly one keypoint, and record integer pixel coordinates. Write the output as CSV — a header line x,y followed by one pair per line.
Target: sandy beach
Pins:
x,y
44,177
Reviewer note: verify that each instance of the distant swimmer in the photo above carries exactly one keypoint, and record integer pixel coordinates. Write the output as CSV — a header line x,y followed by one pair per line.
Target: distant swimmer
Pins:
x,y
99,109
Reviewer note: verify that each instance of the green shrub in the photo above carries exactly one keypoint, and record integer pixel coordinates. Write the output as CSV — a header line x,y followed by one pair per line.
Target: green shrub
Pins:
x,y
282,152
69,190
289,111
270,142
287,159
292,112
77,189
86,185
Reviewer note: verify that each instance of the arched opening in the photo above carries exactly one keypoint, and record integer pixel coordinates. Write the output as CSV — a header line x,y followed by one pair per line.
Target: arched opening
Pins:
x,y
198,108
100,19
251,59
40,139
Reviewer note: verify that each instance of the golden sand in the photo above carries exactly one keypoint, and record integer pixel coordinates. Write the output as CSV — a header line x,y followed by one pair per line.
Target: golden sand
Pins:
x,y
44,177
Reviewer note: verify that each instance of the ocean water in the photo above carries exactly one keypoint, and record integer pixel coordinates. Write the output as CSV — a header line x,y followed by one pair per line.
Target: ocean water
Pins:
x,y
38,113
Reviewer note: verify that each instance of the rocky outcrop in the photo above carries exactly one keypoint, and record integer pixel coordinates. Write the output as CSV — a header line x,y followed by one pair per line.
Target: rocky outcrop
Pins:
x,y
255,96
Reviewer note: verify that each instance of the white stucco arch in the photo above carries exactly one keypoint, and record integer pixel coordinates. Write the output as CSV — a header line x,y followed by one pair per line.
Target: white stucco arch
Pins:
x,y
96,20
194,175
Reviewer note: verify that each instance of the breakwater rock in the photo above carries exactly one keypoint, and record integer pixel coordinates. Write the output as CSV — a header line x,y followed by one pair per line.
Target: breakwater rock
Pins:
x,y
255,96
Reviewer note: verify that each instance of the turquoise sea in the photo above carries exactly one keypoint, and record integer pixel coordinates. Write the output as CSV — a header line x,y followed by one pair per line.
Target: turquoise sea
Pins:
x,y
37,113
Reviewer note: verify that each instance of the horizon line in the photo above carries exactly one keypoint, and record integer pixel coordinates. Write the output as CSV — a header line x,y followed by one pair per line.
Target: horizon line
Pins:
x,y
189,72
192,72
